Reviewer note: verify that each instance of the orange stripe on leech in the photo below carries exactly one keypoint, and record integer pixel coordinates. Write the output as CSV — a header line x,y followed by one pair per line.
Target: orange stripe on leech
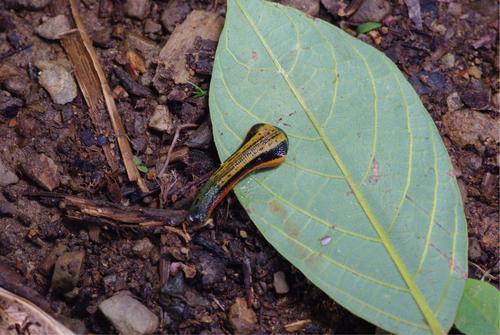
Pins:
x,y
227,188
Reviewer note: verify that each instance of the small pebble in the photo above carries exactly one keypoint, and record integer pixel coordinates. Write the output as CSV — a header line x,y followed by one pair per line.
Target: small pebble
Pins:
x,y
279,283
143,248
475,72
54,27
138,9
58,82
162,120
129,316
241,317
151,27
448,60
454,102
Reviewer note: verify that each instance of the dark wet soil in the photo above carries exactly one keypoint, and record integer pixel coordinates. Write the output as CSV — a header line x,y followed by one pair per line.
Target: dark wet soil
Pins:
x,y
452,62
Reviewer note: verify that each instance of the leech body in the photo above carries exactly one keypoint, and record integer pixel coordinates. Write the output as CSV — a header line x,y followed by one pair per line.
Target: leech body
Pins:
x,y
265,146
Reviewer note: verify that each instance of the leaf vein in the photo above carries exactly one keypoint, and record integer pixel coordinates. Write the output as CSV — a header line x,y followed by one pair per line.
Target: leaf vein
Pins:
x,y
433,210
410,153
316,218
334,262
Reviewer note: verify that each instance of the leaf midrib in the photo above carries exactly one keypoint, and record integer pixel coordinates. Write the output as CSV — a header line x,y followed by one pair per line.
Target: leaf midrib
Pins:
x,y
414,290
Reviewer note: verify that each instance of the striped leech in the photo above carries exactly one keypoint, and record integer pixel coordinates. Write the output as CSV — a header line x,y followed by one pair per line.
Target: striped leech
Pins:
x,y
265,146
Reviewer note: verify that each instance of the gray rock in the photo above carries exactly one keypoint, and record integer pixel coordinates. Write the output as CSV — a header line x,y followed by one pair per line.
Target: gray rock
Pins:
x,y
138,9
54,27
279,283
7,177
143,248
67,271
162,120
58,82
129,316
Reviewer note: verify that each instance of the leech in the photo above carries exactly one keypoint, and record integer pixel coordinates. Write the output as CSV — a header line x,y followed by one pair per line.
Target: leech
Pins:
x,y
265,146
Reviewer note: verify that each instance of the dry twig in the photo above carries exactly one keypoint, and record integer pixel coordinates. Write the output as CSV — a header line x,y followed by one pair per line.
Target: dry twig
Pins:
x,y
172,146
116,122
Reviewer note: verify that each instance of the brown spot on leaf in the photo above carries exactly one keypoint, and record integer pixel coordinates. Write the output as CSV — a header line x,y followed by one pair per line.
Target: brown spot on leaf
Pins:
x,y
301,251
277,208
292,230
255,55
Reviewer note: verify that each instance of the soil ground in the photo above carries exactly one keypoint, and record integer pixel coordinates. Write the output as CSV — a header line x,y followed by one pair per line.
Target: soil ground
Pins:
x,y
452,62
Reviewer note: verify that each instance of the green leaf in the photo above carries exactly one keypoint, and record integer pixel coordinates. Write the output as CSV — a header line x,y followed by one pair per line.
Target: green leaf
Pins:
x,y
199,92
366,205
143,168
137,161
478,312
366,27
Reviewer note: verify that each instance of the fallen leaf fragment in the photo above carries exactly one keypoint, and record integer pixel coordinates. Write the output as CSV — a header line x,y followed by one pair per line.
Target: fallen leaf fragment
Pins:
x,y
19,313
